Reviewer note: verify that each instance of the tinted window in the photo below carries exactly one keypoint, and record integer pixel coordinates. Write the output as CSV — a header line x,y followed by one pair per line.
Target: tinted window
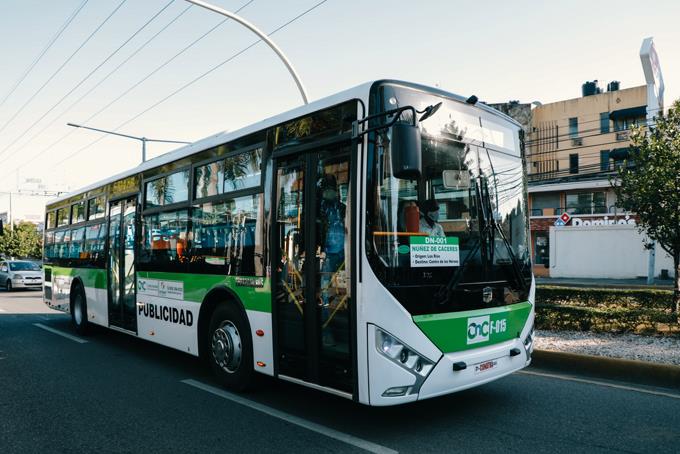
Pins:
x,y
234,173
51,220
327,123
78,212
76,244
59,249
164,240
93,248
166,190
227,237
49,244
62,217
96,208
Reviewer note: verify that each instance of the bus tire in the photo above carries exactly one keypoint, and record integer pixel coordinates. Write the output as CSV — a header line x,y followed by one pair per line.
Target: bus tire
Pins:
x,y
230,348
79,311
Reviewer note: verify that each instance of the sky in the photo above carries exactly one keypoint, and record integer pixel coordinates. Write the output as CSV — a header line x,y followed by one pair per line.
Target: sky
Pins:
x,y
498,50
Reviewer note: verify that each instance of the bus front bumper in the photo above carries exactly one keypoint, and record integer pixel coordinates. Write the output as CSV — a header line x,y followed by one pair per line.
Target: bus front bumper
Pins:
x,y
462,370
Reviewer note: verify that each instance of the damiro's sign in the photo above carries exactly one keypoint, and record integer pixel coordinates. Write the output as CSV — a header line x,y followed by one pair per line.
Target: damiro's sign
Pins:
x,y
578,222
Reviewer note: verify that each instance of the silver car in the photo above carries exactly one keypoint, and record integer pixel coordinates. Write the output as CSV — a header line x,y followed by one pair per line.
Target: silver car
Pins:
x,y
20,274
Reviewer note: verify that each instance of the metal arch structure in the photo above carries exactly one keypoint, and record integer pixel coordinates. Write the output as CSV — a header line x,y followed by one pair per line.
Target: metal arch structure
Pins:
x,y
262,36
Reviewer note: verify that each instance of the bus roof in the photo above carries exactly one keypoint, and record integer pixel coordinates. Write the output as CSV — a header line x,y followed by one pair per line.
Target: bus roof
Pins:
x,y
357,92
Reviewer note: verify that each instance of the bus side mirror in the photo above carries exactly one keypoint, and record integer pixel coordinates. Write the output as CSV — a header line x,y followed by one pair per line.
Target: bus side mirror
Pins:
x,y
407,157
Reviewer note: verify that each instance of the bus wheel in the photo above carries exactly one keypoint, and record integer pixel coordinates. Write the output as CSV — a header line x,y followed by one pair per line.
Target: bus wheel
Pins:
x,y
79,312
230,347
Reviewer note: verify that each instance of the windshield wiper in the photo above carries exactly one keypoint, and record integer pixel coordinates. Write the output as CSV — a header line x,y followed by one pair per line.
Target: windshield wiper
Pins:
x,y
496,227
488,227
444,295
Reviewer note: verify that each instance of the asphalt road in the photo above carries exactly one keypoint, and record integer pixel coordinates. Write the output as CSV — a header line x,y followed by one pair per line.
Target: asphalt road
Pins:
x,y
113,393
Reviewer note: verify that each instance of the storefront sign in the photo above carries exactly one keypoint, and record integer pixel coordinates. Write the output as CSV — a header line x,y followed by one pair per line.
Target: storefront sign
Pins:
x,y
578,222
562,220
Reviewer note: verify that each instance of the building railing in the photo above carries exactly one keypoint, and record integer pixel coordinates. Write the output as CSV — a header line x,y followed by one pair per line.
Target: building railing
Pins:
x,y
594,209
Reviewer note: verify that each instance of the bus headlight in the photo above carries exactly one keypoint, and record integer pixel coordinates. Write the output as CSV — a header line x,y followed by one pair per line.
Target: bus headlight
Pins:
x,y
404,356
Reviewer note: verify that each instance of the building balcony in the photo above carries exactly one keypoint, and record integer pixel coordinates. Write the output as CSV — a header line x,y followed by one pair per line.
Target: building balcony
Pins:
x,y
590,210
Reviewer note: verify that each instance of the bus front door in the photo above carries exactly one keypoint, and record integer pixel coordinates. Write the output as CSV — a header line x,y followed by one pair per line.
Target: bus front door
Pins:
x,y
311,290
121,264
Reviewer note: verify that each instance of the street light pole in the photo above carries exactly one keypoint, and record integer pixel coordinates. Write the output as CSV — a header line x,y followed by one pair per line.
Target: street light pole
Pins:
x,y
144,140
263,37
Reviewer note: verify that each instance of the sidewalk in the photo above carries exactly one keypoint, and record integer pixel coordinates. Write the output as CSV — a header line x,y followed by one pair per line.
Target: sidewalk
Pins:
x,y
646,360
656,349
641,283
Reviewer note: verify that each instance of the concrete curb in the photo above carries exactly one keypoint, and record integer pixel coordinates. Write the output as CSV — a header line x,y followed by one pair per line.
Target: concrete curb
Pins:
x,y
640,372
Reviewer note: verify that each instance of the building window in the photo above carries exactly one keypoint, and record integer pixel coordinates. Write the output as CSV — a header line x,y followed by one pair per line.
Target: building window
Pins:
x,y
573,128
573,163
587,203
545,204
604,122
625,123
173,188
604,160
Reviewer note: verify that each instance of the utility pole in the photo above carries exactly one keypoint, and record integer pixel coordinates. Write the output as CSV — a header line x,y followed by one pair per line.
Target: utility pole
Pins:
x,y
263,36
144,140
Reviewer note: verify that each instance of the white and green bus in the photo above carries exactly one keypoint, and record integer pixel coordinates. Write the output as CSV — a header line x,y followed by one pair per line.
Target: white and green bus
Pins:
x,y
409,202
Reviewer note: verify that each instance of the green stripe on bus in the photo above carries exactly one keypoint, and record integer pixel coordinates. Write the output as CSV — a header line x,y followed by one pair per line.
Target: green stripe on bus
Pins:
x,y
456,331
91,277
196,286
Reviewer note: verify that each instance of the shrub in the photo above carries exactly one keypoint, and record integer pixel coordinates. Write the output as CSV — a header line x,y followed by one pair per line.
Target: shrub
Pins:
x,y
610,310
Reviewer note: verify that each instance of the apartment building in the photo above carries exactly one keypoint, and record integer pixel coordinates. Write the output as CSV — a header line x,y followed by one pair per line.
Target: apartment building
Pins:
x,y
573,147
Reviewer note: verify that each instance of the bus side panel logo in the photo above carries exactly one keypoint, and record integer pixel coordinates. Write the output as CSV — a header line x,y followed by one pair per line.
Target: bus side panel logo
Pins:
x,y
478,329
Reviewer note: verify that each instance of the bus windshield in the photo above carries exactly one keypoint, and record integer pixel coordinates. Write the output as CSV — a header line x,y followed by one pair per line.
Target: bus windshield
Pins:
x,y
456,237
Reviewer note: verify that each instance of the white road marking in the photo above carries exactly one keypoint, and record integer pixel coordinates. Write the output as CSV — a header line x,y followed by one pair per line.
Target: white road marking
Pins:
x,y
601,383
2,310
60,333
314,427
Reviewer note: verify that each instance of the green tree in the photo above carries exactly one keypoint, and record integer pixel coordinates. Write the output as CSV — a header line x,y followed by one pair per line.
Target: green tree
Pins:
x,y
23,241
649,184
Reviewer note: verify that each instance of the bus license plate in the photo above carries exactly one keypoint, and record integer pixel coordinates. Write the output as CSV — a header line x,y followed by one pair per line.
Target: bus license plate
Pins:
x,y
484,367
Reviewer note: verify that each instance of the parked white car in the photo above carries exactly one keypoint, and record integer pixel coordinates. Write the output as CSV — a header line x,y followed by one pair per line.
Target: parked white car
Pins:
x,y
16,274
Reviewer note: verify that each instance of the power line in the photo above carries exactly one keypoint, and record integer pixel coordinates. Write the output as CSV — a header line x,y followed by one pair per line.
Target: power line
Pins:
x,y
62,66
550,139
580,147
97,85
192,81
135,85
83,80
591,121
47,47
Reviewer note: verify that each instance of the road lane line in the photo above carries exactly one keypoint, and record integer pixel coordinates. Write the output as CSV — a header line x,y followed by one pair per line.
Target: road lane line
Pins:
x,y
314,427
62,334
601,383
2,310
